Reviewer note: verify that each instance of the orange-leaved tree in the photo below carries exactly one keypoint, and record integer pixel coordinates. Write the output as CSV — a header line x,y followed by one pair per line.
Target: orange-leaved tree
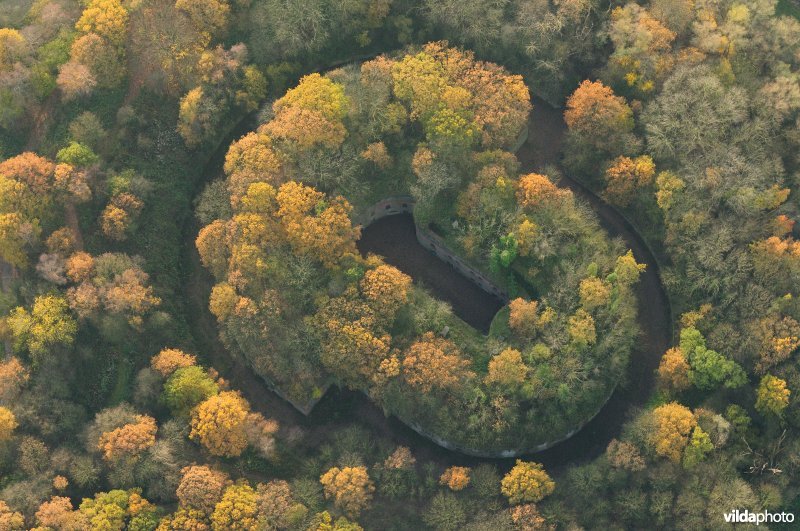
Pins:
x,y
673,426
201,487
350,487
434,363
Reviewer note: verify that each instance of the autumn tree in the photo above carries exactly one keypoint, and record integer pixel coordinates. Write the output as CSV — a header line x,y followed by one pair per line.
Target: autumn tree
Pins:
x,y
699,445
115,283
523,317
624,455
75,80
419,80
223,301
507,370
350,487
305,129
13,376
772,395
458,98
106,18
8,423
324,522
434,363
219,424
208,16
13,47
673,371
130,440
117,509
251,159
535,190
673,425
11,520
185,518
353,337
455,478
103,58
377,154
627,270
237,510
16,237
779,338
60,483
594,293
316,225
526,482
668,189
315,93
169,360
386,288
120,213
581,328
625,177
528,518
226,85
277,507
211,245
79,266
598,118
58,513
27,193
642,47
201,487
47,325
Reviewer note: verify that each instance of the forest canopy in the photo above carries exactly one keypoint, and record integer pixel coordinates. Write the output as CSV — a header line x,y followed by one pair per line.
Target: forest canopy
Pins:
x,y
195,336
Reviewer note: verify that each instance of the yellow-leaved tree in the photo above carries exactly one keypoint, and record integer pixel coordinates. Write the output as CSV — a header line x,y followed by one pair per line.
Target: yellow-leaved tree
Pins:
x,y
237,510
219,423
527,482
673,427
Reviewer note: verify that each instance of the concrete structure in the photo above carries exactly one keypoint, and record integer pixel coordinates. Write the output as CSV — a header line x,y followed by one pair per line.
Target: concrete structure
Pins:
x,y
404,204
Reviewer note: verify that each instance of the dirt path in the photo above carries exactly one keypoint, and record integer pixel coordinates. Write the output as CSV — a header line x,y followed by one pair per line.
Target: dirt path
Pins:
x,y
339,407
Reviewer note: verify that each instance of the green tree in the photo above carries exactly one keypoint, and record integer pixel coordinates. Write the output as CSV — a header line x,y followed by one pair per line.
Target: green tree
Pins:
x,y
710,369
699,445
187,387
77,155
445,513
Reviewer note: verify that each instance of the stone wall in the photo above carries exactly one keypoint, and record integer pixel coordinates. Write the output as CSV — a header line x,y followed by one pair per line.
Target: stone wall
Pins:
x,y
400,204
502,454
436,245
404,204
